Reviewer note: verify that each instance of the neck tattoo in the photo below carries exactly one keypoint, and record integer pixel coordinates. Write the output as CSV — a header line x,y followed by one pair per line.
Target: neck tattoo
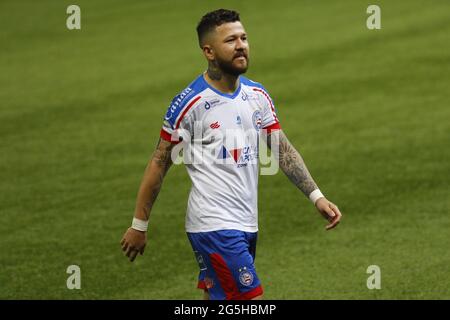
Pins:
x,y
214,72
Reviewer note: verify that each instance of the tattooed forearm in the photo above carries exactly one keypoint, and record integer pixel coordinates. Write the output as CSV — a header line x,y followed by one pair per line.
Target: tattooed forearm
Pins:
x,y
154,191
153,179
292,163
162,155
214,71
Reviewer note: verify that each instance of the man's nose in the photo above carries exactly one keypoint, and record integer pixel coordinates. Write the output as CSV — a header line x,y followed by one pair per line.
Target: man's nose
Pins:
x,y
240,45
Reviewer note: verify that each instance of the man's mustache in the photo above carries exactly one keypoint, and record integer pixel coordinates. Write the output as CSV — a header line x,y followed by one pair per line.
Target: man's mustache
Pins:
x,y
240,54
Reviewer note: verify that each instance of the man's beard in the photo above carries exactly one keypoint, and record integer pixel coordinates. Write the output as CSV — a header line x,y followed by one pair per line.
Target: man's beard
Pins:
x,y
229,68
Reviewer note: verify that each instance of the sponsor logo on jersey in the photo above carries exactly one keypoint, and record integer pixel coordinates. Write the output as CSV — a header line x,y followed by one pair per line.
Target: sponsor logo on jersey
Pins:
x,y
248,154
224,153
236,153
248,96
212,103
215,125
176,103
242,156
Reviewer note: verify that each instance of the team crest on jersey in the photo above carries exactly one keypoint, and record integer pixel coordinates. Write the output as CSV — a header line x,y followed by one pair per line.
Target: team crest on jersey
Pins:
x,y
257,119
245,277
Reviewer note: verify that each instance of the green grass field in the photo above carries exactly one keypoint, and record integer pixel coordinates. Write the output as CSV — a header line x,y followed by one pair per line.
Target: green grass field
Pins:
x,y
81,110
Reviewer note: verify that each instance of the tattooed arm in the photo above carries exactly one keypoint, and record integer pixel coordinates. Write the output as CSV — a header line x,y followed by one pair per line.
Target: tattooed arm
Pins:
x,y
293,166
291,163
157,168
134,241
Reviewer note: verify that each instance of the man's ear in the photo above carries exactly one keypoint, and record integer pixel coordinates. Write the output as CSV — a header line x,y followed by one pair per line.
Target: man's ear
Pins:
x,y
208,52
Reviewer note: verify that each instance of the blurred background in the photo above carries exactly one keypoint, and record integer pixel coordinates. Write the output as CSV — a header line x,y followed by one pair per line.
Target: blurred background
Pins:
x,y
81,111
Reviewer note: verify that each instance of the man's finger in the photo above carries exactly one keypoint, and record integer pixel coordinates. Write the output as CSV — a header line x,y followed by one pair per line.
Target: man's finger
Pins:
x,y
334,223
133,254
129,251
125,246
336,209
330,212
142,250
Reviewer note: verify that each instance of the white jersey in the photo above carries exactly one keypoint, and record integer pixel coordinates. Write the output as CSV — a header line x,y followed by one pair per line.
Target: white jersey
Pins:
x,y
224,162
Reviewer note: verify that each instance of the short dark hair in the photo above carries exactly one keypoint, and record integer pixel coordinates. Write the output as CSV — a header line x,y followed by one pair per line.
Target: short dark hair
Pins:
x,y
214,19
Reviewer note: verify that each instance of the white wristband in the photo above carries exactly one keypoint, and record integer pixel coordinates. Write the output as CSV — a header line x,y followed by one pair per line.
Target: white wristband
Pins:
x,y
139,224
315,195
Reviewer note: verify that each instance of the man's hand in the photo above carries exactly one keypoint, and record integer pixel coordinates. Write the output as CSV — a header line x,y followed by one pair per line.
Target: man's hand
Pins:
x,y
133,242
329,211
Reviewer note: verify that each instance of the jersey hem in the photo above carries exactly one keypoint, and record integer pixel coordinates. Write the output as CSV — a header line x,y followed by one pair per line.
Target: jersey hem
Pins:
x,y
223,227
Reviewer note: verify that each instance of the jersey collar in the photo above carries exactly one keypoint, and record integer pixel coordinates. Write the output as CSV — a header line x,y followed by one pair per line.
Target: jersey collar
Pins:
x,y
226,95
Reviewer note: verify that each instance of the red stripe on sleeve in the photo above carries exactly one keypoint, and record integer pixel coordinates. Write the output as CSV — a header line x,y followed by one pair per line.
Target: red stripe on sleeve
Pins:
x,y
270,102
167,136
273,127
186,110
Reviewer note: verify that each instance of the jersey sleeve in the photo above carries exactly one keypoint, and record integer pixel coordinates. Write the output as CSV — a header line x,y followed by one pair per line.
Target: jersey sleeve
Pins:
x,y
178,122
269,116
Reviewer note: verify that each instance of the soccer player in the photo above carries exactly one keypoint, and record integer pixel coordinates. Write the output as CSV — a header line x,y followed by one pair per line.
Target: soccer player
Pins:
x,y
221,115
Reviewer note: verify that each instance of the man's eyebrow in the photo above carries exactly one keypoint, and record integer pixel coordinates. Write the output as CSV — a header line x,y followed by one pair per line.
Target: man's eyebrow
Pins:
x,y
235,35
